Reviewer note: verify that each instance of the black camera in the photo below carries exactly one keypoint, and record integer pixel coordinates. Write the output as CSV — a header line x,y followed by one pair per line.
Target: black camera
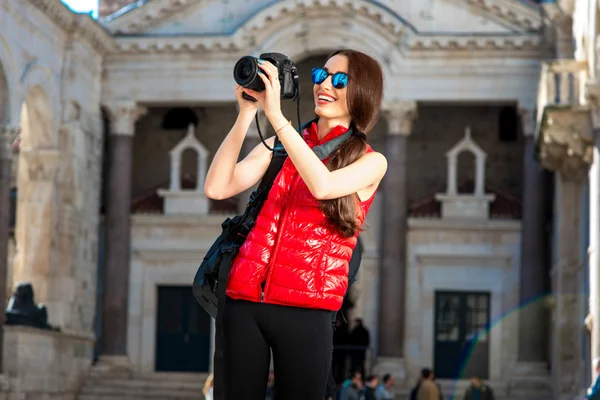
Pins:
x,y
245,73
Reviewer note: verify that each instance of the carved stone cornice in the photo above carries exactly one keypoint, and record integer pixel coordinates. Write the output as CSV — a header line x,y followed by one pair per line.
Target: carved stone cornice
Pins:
x,y
565,141
123,115
525,44
518,46
82,26
146,15
400,116
180,45
525,17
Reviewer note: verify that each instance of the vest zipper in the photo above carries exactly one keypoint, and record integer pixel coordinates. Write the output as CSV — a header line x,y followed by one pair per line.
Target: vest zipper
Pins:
x,y
278,239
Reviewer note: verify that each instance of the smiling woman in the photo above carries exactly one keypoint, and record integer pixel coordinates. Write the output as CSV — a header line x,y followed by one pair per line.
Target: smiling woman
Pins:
x,y
293,269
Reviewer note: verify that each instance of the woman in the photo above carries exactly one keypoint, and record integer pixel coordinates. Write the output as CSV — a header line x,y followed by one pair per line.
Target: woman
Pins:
x,y
292,270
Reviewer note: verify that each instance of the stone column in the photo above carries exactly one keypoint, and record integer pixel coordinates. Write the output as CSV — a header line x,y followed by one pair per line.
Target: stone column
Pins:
x,y
392,272
566,270
7,135
250,142
123,116
533,332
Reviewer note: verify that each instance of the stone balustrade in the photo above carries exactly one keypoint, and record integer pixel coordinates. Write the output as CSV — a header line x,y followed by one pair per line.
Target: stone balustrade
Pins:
x,y
562,83
563,119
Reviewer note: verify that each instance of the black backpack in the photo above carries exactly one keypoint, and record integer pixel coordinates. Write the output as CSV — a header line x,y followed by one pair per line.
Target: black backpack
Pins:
x,y
210,281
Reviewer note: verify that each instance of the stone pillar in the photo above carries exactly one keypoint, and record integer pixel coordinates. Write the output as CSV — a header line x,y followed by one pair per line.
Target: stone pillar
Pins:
x,y
36,225
566,269
250,142
7,135
123,116
392,272
533,332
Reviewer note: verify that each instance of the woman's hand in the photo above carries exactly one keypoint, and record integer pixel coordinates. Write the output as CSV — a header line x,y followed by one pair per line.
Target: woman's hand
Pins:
x,y
245,105
269,99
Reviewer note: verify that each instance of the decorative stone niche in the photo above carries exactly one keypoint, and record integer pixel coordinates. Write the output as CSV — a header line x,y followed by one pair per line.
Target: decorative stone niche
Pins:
x,y
465,206
180,201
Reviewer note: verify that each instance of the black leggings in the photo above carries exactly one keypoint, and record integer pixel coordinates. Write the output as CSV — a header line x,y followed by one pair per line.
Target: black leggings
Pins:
x,y
301,340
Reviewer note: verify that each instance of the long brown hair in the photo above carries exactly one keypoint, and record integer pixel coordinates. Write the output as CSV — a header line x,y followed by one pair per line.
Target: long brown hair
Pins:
x,y
363,96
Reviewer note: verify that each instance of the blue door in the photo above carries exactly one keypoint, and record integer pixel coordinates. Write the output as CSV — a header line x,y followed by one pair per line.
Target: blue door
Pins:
x,y
462,321
183,336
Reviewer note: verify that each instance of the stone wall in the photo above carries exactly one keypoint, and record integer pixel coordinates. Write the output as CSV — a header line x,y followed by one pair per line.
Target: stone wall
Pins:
x,y
43,364
60,155
52,61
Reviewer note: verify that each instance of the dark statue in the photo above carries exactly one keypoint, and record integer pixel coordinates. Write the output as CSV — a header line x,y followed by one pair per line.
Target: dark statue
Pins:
x,y
22,310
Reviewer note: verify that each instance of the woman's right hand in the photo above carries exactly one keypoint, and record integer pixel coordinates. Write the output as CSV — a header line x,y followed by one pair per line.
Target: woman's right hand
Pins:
x,y
245,105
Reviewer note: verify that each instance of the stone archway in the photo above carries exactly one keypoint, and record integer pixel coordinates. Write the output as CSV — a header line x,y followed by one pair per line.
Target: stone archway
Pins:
x,y
37,164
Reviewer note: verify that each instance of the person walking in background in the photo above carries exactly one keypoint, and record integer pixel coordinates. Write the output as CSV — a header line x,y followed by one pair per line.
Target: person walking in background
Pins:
x,y
359,340
437,384
370,387
352,389
428,390
341,339
415,389
479,391
384,390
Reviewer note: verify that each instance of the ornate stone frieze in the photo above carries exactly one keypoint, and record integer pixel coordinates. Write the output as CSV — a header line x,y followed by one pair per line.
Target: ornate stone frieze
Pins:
x,y
565,141
526,43
179,45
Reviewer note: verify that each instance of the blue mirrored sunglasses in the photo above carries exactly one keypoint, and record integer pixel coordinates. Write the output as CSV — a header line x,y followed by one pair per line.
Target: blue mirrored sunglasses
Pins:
x,y
339,80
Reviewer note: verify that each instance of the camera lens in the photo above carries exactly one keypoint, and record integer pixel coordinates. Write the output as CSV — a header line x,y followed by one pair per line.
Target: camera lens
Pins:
x,y
245,73
245,70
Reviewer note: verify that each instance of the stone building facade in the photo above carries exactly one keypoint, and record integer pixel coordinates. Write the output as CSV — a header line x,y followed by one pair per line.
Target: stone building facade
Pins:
x,y
109,126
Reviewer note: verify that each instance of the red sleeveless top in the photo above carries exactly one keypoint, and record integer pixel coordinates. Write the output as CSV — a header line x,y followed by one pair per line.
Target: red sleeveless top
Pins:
x,y
292,256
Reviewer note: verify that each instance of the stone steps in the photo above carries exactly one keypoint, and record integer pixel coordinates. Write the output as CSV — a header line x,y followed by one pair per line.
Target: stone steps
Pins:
x,y
126,386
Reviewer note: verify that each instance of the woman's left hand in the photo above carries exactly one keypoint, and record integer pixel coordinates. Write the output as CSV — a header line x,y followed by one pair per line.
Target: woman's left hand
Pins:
x,y
269,99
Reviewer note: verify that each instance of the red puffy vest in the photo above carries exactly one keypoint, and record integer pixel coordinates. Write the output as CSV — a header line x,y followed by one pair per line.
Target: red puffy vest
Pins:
x,y
292,256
